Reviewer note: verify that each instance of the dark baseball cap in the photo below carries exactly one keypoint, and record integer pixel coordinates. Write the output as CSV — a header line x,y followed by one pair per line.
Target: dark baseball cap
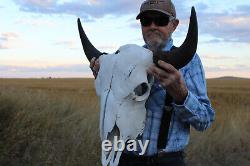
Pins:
x,y
163,6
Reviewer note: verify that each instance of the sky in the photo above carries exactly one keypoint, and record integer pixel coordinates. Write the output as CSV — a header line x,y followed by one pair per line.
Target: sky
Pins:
x,y
39,38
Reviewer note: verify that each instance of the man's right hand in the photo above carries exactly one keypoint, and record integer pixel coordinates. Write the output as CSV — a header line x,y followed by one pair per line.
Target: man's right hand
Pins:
x,y
94,66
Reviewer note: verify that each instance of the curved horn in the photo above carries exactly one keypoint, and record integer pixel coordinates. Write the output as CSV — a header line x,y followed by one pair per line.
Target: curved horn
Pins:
x,y
179,57
89,49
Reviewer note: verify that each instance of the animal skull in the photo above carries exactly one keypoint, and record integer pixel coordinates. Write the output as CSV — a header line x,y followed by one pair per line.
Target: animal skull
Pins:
x,y
123,87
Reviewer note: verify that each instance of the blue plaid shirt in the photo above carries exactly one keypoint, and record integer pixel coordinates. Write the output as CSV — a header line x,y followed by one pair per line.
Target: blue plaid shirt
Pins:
x,y
196,110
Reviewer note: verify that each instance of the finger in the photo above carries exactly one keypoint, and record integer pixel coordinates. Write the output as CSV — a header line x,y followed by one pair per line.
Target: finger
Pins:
x,y
97,65
164,82
92,62
150,70
166,66
95,74
157,72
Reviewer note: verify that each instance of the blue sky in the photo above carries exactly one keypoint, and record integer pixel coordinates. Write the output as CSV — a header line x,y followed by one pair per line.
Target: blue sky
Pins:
x,y
39,38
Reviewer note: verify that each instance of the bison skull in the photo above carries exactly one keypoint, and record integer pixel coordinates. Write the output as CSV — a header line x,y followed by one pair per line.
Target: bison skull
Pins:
x,y
123,87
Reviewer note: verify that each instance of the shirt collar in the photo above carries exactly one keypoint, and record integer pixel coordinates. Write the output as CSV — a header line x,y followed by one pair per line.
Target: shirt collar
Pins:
x,y
168,45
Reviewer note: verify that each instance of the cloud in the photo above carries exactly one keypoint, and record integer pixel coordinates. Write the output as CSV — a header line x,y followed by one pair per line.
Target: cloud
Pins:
x,y
236,68
57,68
86,9
42,3
107,47
75,70
134,25
69,44
226,26
75,45
6,39
236,71
217,57
36,22
242,10
223,24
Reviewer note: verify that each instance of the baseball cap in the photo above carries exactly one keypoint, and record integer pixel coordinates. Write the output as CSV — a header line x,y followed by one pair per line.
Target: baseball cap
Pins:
x,y
163,6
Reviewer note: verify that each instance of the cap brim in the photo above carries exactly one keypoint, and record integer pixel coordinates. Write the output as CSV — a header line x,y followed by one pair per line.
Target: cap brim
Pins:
x,y
158,10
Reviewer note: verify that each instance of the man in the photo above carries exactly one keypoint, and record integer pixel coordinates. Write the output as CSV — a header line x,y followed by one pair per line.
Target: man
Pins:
x,y
184,90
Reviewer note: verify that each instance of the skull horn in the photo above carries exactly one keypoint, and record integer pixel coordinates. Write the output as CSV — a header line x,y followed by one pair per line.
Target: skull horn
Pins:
x,y
179,57
89,49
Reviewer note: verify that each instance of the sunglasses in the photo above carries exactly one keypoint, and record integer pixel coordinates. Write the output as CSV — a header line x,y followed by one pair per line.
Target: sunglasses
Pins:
x,y
158,21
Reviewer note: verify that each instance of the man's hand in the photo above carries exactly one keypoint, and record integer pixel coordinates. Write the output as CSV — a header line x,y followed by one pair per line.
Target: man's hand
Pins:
x,y
171,79
94,66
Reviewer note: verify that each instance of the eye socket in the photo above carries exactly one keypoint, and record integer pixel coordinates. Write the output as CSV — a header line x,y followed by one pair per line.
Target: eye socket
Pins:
x,y
141,89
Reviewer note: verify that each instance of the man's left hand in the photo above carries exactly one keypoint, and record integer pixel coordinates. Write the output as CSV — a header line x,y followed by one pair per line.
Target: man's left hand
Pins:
x,y
170,78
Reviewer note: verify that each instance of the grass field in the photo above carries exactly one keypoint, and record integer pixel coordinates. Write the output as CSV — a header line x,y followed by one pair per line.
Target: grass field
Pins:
x,y
54,122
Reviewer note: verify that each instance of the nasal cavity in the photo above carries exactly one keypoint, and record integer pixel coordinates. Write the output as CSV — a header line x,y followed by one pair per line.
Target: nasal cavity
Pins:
x,y
141,89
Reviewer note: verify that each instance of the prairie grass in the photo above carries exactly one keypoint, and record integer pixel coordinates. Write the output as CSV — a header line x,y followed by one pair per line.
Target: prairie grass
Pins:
x,y
227,142
54,122
48,122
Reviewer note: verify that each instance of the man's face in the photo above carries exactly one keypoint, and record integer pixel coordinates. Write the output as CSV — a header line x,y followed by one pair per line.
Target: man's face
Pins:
x,y
157,28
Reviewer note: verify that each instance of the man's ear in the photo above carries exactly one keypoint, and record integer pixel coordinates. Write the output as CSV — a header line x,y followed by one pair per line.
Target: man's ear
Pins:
x,y
175,23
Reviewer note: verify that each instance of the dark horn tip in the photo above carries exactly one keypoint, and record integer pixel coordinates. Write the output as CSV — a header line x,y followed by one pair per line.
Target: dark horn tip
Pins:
x,y
193,10
78,21
89,49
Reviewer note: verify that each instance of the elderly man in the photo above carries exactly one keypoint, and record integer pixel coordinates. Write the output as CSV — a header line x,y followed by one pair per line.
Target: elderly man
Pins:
x,y
178,98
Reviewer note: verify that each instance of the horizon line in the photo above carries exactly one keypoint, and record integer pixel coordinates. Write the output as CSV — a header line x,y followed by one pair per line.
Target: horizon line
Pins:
x,y
91,77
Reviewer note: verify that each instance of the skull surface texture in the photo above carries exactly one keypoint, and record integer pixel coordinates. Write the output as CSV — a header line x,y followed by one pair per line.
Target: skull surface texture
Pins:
x,y
123,87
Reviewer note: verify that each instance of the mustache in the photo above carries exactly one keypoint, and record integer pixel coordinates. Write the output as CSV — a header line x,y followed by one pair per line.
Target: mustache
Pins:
x,y
154,31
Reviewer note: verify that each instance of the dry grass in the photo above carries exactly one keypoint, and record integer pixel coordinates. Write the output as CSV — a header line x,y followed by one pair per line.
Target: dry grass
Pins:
x,y
227,142
48,122
55,122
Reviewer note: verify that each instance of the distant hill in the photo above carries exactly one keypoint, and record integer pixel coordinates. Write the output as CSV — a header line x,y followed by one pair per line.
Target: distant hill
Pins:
x,y
229,78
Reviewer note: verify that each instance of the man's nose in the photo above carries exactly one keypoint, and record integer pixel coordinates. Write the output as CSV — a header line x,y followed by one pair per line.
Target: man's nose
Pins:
x,y
152,25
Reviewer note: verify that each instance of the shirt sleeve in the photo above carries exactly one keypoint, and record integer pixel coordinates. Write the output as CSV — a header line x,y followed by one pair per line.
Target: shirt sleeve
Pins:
x,y
196,109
